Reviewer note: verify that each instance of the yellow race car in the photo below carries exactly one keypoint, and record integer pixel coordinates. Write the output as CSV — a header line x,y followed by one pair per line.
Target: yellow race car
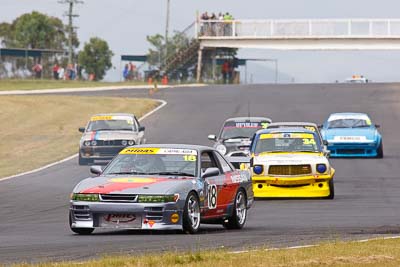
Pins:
x,y
290,162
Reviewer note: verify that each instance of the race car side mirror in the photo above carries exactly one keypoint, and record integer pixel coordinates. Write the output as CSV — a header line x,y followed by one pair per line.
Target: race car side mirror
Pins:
x,y
142,128
209,172
82,129
377,126
95,169
325,142
212,137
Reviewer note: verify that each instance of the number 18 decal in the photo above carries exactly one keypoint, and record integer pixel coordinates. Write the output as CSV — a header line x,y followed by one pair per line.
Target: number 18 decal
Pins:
x,y
212,196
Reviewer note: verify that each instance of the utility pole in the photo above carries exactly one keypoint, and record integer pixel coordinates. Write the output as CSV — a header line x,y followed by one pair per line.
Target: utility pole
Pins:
x,y
71,27
166,33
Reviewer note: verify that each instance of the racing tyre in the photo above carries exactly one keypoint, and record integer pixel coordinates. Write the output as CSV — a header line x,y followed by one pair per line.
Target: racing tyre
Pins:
x,y
239,214
80,231
331,190
191,214
380,151
83,161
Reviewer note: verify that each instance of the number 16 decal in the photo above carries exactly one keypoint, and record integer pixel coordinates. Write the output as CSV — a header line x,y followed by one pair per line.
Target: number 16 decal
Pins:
x,y
212,196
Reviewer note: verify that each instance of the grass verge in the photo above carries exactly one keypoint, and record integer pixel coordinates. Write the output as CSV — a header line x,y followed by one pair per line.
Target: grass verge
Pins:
x,y
41,129
373,253
16,84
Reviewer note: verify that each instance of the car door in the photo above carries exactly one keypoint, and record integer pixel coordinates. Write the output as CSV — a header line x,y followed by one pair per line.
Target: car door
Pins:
x,y
215,203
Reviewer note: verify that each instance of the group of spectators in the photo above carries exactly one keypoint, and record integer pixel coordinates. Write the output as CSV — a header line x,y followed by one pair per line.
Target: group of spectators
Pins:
x,y
213,25
71,72
130,72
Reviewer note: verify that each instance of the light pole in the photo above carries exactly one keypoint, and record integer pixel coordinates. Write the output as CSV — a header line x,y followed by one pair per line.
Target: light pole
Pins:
x,y
70,16
166,33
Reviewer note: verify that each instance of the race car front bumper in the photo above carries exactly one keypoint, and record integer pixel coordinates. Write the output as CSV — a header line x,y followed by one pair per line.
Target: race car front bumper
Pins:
x,y
292,187
163,216
353,150
100,152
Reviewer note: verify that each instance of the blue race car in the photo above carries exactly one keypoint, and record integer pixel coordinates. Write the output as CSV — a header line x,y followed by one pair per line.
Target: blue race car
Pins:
x,y
352,135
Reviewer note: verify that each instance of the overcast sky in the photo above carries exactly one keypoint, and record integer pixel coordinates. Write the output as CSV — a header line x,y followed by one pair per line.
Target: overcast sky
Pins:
x,y
126,23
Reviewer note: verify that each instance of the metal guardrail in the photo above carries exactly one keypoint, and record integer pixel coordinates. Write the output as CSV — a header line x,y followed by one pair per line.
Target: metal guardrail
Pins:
x,y
315,28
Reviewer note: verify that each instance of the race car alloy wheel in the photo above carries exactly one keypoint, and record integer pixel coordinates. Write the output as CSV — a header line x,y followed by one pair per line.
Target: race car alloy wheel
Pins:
x,y
80,231
239,216
380,151
191,214
331,190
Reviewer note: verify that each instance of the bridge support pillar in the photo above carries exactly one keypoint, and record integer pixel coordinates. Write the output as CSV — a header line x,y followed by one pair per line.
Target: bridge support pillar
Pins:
x,y
199,64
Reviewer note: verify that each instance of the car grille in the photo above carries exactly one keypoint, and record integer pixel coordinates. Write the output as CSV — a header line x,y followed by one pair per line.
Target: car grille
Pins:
x,y
289,169
118,197
109,143
350,151
154,213
81,213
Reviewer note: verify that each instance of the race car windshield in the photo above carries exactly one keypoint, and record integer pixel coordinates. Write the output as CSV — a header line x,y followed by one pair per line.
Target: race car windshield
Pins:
x,y
348,123
111,125
287,142
241,129
153,164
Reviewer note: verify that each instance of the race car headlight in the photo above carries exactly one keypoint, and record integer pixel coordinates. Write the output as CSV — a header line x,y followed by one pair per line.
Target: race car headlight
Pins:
x,y
93,143
85,197
221,149
321,168
157,198
86,143
258,169
124,142
131,142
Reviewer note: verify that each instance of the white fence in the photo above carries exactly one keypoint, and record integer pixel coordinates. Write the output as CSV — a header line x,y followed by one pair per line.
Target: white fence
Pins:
x,y
321,28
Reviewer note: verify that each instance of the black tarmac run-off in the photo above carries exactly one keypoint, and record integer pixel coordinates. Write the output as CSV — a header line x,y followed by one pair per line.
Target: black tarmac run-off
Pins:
x,y
34,208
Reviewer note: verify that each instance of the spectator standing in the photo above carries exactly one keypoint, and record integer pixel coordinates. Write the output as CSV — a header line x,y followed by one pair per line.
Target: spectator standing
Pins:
x,y
37,69
220,28
55,71
225,71
61,73
228,24
213,29
125,73
230,72
204,28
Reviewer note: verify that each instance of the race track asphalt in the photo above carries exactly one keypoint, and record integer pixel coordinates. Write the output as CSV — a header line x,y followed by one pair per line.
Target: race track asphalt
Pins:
x,y
34,208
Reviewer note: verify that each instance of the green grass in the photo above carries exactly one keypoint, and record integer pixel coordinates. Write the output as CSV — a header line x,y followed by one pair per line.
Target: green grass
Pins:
x,y
41,129
18,84
376,253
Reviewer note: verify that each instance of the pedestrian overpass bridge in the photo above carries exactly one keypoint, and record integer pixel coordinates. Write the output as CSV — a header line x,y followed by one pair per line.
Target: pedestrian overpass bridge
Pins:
x,y
296,34
313,34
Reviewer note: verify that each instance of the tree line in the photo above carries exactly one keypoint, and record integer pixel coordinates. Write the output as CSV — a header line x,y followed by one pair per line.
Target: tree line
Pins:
x,y
39,31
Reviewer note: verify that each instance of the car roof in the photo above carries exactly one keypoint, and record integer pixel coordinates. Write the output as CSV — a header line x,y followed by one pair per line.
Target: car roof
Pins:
x,y
114,114
285,130
348,113
292,123
176,146
241,119
342,115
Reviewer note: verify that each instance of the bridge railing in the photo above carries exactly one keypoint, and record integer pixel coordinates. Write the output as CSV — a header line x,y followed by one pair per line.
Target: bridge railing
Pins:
x,y
318,28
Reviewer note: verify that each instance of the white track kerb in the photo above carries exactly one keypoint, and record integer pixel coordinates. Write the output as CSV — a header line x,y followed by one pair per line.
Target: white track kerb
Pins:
x,y
312,246
162,104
